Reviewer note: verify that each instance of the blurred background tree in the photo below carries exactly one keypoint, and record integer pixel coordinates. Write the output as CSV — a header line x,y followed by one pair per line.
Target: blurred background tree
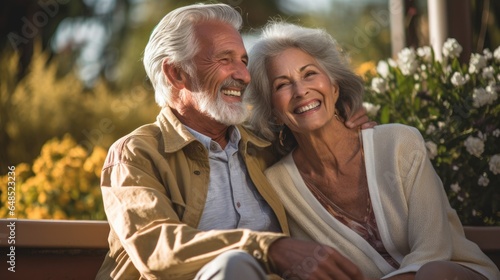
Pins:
x,y
74,67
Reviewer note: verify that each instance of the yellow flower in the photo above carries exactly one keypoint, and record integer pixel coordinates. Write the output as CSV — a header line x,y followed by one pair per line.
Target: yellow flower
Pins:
x,y
364,68
59,215
42,198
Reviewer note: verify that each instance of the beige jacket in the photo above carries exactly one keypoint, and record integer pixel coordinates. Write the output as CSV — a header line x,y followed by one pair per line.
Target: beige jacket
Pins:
x,y
414,217
154,186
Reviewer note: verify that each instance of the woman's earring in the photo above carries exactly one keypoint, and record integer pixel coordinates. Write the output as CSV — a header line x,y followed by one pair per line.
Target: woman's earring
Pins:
x,y
282,137
337,115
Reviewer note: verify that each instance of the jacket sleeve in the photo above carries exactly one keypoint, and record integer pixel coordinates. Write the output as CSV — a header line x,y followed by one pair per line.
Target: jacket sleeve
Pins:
x,y
434,229
144,218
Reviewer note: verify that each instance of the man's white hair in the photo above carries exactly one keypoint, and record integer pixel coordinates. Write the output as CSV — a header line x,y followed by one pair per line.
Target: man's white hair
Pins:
x,y
173,38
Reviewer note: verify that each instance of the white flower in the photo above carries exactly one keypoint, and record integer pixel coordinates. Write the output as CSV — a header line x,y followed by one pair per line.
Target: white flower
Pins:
x,y
474,146
425,53
496,54
451,48
371,109
430,129
431,149
455,187
488,73
447,71
481,97
392,63
496,132
476,63
483,180
487,54
407,61
379,85
495,164
493,94
383,69
458,79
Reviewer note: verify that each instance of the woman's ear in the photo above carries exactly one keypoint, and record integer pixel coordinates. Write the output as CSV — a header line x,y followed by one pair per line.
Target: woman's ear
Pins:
x,y
174,74
336,89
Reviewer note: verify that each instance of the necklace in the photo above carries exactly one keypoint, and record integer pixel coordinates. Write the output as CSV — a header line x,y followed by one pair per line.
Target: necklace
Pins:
x,y
330,205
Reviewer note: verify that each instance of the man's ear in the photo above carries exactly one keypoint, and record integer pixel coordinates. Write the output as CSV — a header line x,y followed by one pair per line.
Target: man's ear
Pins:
x,y
174,74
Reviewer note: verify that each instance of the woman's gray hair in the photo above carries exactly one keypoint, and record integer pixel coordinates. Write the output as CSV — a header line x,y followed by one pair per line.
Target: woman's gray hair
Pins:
x,y
279,36
173,38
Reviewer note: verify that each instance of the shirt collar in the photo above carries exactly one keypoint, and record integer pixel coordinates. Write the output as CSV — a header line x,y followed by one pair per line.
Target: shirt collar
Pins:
x,y
234,138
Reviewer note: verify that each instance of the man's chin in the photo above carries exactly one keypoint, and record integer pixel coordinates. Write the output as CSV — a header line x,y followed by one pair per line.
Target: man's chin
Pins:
x,y
231,116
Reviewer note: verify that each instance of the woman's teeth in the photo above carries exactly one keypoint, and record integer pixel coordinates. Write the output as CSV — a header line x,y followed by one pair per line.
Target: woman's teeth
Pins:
x,y
307,107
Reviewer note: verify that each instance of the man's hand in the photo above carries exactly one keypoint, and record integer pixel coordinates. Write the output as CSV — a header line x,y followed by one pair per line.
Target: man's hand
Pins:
x,y
299,259
360,118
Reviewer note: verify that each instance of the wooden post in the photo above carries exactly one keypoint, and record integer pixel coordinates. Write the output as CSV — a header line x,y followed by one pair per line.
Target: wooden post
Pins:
x,y
460,26
397,25
437,25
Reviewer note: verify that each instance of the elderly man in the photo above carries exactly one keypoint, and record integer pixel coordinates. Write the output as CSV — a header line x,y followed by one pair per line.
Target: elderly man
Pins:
x,y
186,196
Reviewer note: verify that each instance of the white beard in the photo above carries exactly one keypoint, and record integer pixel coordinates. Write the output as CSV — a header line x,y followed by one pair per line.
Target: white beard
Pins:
x,y
218,109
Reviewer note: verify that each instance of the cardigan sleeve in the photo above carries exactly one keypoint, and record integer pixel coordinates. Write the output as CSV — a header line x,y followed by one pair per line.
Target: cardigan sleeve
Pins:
x,y
434,229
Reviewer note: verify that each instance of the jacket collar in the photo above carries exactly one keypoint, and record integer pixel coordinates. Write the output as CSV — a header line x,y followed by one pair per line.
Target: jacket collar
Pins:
x,y
176,136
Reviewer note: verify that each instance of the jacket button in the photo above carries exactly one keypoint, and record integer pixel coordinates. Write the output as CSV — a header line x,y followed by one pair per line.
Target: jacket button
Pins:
x,y
257,254
197,172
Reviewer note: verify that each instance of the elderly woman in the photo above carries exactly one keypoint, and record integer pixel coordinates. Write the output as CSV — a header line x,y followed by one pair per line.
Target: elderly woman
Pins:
x,y
372,194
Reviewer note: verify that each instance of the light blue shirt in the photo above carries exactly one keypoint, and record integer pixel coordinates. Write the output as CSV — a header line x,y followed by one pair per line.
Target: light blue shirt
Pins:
x,y
232,199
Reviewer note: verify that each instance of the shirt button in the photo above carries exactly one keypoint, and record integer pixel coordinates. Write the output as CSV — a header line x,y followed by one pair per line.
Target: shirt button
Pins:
x,y
257,254
197,172
238,204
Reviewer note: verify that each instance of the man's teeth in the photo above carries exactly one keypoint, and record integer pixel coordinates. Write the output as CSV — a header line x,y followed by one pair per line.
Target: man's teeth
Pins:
x,y
307,107
232,92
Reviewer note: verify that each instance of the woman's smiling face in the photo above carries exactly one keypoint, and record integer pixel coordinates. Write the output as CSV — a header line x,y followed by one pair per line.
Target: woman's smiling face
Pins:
x,y
303,96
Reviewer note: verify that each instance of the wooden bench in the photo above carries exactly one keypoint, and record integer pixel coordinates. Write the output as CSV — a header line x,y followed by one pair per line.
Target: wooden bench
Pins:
x,y
54,249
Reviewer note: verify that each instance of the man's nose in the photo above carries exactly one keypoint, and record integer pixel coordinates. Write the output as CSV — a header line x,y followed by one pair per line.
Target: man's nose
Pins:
x,y
241,73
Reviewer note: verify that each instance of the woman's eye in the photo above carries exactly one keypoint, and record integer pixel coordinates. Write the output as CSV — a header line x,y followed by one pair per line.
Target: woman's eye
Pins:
x,y
310,73
280,85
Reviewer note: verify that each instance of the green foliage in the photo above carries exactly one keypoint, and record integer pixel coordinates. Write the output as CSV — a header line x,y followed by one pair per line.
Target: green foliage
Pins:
x,y
59,179
456,109
42,106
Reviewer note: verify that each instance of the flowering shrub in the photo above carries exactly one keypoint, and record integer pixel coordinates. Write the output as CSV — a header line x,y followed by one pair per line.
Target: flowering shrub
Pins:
x,y
63,183
455,106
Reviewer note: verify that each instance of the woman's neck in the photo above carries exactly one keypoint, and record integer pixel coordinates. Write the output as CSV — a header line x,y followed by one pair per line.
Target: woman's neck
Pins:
x,y
333,148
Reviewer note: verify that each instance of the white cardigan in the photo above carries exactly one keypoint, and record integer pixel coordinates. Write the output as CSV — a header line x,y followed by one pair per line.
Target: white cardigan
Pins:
x,y
414,217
